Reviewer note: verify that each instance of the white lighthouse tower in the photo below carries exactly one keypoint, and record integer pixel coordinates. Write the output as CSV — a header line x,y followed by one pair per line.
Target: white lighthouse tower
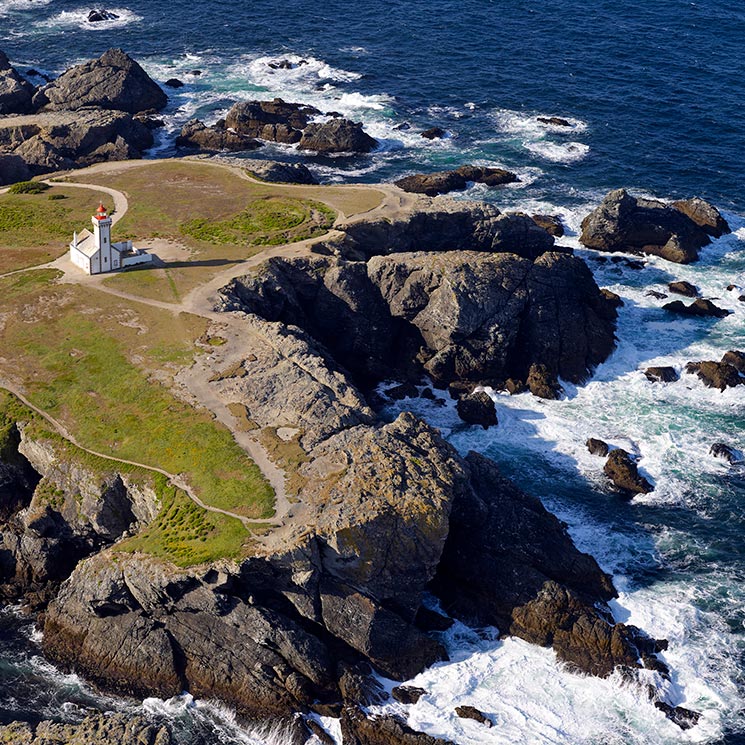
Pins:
x,y
102,239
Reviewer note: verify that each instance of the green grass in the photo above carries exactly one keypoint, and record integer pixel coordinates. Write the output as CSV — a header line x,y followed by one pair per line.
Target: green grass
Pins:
x,y
28,187
82,376
185,534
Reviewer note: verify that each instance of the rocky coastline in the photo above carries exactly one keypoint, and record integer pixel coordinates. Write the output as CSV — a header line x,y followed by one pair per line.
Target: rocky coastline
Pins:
x,y
388,514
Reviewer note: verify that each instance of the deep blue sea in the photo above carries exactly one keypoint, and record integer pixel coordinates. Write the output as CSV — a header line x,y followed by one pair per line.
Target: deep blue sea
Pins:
x,y
655,94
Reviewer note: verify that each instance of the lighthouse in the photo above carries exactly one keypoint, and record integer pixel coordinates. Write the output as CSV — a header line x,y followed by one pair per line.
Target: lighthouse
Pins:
x,y
102,238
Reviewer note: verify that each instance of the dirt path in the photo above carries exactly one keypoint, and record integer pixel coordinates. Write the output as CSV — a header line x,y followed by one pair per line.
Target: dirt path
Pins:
x,y
201,301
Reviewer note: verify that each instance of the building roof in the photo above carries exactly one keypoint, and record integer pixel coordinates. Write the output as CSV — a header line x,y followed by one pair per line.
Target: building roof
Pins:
x,y
86,244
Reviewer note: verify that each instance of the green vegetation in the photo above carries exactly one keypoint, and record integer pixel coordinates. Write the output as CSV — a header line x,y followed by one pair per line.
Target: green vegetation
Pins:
x,y
35,228
185,534
28,187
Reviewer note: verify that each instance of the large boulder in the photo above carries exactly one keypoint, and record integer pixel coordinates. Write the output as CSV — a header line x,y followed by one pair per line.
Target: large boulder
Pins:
x,y
714,374
113,81
699,308
276,121
442,182
15,92
195,134
623,472
705,215
337,136
625,223
477,408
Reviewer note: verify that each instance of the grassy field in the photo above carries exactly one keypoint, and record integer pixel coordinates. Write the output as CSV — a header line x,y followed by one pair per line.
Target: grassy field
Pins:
x,y
216,217
101,366
35,228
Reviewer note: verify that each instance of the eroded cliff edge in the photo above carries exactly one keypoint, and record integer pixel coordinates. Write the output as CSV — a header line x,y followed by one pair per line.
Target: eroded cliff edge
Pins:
x,y
385,515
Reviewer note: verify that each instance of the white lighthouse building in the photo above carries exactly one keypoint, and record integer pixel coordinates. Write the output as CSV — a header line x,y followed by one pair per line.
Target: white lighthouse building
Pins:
x,y
94,252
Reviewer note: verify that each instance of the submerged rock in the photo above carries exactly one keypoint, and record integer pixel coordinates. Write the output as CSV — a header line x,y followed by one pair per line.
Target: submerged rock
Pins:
x,y
434,133
724,452
684,718
96,16
625,223
554,121
471,712
623,472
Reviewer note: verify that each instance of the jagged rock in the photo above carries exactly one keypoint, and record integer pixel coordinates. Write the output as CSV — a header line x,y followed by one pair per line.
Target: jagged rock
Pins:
x,y
725,452
280,173
174,83
276,121
402,391
554,121
357,686
713,374
96,16
337,136
112,728
550,223
683,288
471,712
433,133
15,92
542,382
597,447
13,168
704,215
514,386
407,694
735,358
625,223
195,134
442,182
661,374
477,408
446,226
700,308
18,479
55,141
319,732
656,295
684,718
623,472
113,81
358,729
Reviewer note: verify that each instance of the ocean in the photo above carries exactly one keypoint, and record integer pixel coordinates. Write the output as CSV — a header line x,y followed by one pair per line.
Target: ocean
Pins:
x,y
655,94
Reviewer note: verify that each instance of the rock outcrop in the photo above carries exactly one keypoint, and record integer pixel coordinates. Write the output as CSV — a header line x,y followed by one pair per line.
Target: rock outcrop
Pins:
x,y
661,374
196,135
443,182
675,232
714,374
700,308
15,91
624,474
280,173
477,408
683,288
113,81
337,136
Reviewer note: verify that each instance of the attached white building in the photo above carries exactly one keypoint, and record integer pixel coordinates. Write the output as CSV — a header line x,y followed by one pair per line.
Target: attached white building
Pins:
x,y
94,252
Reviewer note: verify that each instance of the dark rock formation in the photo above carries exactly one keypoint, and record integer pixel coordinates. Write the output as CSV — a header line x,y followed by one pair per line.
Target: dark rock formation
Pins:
x,y
550,223
402,391
683,288
407,694
55,141
623,472
704,215
661,374
700,308
174,83
656,295
357,729
195,134
735,358
477,408
446,226
725,452
276,121
337,136
554,121
15,92
13,168
442,182
454,316
112,728
542,382
597,447
96,16
113,81
471,712
625,223
713,374
433,133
